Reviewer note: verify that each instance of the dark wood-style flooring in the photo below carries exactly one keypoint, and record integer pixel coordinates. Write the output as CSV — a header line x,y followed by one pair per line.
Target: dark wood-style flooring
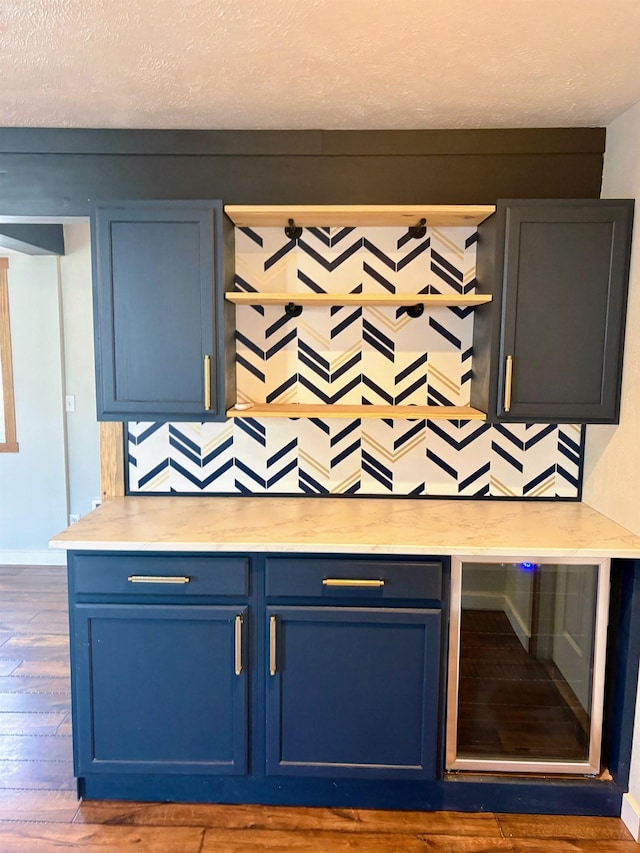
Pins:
x,y
39,812
509,704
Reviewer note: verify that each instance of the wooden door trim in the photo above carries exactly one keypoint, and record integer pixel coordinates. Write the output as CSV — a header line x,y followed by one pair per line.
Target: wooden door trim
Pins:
x,y
111,459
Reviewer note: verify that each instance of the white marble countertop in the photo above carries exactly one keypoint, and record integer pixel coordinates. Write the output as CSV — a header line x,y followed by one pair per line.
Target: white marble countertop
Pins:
x,y
518,529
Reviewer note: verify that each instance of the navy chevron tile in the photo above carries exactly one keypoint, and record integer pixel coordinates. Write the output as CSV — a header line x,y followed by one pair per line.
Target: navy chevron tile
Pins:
x,y
253,429
378,277
442,464
153,473
379,254
184,451
146,433
251,368
309,282
344,432
411,256
568,476
539,479
475,477
455,442
200,483
378,340
220,450
333,264
355,354
345,322
277,256
310,485
544,432
508,457
346,452
281,390
374,467
253,235
442,330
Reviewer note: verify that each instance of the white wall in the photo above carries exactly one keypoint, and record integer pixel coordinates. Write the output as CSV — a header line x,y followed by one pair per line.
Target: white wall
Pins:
x,y
83,448
57,469
612,453
33,497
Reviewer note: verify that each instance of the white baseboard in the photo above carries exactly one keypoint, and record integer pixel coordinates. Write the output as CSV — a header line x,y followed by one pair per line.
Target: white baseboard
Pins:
x,y
630,815
43,557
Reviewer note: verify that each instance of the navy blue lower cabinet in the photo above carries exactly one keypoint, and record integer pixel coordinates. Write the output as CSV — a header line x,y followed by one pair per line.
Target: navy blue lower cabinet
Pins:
x,y
352,692
160,689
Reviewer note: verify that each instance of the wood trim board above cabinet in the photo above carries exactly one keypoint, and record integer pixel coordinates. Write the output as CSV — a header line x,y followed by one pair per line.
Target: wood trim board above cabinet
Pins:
x,y
354,215
351,412
429,300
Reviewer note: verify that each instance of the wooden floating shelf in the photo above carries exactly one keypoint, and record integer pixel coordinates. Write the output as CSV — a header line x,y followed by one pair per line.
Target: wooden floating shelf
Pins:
x,y
428,300
354,215
320,410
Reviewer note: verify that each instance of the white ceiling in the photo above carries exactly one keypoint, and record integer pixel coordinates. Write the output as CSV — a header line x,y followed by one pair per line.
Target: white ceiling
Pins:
x,y
317,63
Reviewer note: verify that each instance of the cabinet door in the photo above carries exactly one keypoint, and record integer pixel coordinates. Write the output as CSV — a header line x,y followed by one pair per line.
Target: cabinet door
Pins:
x,y
352,692
564,302
160,688
159,310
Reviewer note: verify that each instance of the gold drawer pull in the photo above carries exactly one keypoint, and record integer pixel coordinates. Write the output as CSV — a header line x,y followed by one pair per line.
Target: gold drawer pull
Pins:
x,y
238,649
158,579
351,582
207,383
272,645
508,379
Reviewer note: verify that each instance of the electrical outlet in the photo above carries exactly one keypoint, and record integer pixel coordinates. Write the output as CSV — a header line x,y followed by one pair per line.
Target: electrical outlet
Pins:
x,y
73,517
70,403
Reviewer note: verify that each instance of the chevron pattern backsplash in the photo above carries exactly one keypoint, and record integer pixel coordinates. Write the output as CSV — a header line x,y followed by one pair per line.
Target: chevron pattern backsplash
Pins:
x,y
355,355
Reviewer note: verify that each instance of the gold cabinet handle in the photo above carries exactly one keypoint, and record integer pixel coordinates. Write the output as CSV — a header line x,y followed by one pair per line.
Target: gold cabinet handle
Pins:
x,y
351,582
272,645
508,377
238,649
207,383
158,579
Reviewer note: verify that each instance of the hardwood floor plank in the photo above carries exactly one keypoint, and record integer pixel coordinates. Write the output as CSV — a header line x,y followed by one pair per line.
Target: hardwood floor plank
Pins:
x,y
42,591
562,826
8,666
44,643
52,838
34,684
36,723
553,845
46,806
34,748
243,840
37,775
65,729
35,701
43,668
288,818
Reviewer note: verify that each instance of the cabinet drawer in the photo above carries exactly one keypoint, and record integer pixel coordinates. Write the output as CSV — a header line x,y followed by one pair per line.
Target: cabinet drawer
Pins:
x,y
339,577
159,575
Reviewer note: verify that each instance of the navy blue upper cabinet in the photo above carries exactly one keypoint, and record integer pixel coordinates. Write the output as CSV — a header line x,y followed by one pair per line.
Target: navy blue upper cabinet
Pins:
x,y
352,692
163,331
549,347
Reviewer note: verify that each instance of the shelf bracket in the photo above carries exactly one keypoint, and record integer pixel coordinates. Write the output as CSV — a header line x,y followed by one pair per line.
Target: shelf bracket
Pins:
x,y
292,231
415,310
416,231
292,310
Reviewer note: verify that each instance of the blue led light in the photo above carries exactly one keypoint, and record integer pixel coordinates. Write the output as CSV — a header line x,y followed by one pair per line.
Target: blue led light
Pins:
x,y
528,567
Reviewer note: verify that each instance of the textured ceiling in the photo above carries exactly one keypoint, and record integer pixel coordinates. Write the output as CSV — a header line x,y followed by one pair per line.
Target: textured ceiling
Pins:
x,y
317,63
